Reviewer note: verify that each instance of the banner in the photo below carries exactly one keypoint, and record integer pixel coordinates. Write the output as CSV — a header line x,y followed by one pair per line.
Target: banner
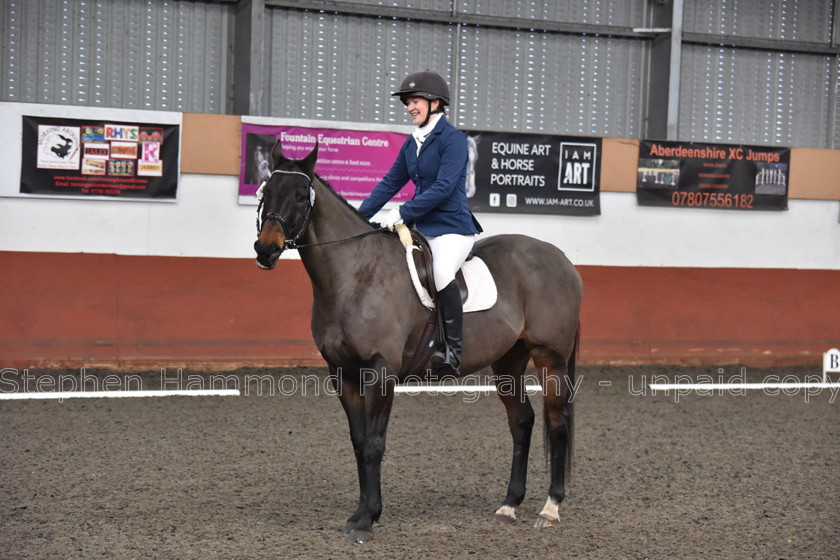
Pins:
x,y
533,174
712,176
351,161
92,158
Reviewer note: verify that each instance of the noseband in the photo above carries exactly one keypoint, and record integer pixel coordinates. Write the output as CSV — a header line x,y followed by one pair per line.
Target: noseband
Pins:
x,y
291,241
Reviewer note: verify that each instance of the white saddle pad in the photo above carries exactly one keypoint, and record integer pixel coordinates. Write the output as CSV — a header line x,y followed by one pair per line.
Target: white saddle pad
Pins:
x,y
481,287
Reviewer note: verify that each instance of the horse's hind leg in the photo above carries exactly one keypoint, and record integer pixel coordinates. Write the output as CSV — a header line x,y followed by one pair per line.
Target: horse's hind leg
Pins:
x,y
557,377
510,387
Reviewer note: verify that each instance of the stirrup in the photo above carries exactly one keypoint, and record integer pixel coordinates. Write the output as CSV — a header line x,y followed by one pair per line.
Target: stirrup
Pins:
x,y
442,361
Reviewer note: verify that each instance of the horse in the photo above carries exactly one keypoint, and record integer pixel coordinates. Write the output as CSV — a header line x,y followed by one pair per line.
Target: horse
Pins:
x,y
367,322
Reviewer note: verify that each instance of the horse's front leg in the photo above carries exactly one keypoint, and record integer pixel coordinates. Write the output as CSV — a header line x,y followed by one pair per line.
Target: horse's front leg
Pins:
x,y
349,393
367,400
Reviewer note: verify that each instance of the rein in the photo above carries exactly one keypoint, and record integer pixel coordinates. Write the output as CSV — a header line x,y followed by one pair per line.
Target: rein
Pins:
x,y
292,241
355,237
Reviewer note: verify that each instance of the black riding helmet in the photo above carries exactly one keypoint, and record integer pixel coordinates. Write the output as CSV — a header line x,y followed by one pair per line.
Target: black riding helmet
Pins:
x,y
426,84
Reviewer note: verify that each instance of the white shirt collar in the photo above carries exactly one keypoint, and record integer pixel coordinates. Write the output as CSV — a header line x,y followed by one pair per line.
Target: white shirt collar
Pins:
x,y
423,132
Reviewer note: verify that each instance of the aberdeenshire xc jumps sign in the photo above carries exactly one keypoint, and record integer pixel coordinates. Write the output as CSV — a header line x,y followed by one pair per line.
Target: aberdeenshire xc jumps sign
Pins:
x,y
718,176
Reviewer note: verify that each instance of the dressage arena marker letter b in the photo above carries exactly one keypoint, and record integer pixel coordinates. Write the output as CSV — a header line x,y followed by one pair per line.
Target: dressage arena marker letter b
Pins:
x,y
831,362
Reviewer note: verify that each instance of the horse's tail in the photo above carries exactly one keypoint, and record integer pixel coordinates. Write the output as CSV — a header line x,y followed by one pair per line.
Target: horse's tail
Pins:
x,y
568,411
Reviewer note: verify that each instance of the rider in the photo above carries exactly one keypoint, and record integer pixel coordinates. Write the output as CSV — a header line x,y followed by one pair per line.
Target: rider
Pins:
x,y
434,157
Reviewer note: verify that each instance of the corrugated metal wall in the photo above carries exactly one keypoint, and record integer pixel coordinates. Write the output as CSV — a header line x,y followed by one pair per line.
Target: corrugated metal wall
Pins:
x,y
606,12
802,20
344,67
340,67
319,64
161,55
750,96
549,82
760,96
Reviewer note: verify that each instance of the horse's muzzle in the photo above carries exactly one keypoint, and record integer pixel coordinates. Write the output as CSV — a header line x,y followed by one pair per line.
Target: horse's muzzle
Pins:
x,y
267,255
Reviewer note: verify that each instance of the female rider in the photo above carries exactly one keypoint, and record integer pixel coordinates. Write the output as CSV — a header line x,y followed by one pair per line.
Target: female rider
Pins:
x,y
434,157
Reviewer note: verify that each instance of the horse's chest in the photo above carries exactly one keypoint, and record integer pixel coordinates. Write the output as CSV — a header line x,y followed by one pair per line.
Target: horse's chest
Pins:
x,y
339,333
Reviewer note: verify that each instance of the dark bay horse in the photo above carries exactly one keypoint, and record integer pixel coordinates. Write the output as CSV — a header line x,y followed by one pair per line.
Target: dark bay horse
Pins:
x,y
367,322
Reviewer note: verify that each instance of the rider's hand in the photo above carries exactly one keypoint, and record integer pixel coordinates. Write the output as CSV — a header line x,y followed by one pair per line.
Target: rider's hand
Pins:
x,y
391,219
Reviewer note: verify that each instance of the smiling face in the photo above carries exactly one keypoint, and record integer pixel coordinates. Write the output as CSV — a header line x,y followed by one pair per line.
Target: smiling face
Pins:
x,y
419,107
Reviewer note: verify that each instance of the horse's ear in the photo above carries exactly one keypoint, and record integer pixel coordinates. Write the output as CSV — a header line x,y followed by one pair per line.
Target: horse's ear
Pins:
x,y
277,156
309,161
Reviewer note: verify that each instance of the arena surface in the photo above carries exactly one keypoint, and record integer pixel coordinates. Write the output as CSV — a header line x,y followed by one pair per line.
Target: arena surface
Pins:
x,y
734,475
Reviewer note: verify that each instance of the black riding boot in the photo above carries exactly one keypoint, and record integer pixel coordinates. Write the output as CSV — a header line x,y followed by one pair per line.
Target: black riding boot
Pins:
x,y
447,356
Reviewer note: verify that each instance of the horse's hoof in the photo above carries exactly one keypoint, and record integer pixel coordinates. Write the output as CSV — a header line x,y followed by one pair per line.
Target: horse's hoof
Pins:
x,y
543,522
505,514
349,526
356,536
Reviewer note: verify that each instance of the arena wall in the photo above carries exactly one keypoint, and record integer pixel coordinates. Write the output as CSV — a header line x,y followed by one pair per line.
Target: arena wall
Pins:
x,y
150,284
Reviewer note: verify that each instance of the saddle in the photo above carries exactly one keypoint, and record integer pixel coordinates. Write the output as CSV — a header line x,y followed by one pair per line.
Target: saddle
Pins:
x,y
419,261
423,263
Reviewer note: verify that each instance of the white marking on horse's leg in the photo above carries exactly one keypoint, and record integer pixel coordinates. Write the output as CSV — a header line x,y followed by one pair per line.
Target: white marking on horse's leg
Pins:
x,y
506,513
551,510
550,514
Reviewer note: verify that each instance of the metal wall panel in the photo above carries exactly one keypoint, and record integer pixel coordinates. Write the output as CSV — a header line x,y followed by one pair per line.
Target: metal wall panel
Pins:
x,y
628,13
437,5
163,55
760,96
752,96
799,20
338,67
548,82
321,64
833,115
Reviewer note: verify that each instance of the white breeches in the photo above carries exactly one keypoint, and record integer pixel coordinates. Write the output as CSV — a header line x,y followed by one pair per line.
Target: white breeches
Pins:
x,y
449,252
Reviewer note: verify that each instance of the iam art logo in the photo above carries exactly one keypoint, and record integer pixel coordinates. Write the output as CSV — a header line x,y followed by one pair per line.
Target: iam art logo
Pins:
x,y
58,147
577,166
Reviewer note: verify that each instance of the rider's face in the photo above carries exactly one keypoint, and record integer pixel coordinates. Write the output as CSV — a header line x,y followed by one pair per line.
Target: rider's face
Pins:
x,y
418,108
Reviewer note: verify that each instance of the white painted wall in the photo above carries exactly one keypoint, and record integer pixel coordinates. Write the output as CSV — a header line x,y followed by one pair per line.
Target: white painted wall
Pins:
x,y
807,235
207,221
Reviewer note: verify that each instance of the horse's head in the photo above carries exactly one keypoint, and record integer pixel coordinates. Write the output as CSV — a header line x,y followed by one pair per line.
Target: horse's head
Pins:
x,y
285,207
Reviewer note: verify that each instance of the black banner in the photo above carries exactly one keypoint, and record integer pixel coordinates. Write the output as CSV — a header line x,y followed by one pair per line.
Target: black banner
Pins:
x,y
724,176
81,158
534,174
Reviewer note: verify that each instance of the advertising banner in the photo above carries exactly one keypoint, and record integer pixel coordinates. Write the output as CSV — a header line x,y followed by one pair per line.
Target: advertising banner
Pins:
x,y
724,176
91,158
534,174
351,161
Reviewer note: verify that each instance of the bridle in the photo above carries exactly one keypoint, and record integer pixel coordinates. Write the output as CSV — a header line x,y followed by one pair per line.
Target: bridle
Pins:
x,y
291,241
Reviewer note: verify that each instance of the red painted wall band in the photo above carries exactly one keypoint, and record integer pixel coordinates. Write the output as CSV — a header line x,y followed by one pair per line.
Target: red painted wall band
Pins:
x,y
78,310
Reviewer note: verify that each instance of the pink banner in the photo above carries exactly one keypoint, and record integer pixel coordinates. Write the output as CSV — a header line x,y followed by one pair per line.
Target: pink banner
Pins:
x,y
351,161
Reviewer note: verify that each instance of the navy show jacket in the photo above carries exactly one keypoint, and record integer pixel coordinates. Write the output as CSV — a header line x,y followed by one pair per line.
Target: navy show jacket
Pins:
x,y
439,205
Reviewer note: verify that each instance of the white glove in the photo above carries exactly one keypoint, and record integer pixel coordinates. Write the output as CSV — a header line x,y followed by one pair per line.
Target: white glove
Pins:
x,y
391,219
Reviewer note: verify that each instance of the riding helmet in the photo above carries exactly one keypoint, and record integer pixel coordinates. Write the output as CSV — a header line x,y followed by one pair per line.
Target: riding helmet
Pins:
x,y
426,84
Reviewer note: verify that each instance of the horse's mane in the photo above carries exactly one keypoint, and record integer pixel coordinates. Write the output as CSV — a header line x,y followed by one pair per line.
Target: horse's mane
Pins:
x,y
342,199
